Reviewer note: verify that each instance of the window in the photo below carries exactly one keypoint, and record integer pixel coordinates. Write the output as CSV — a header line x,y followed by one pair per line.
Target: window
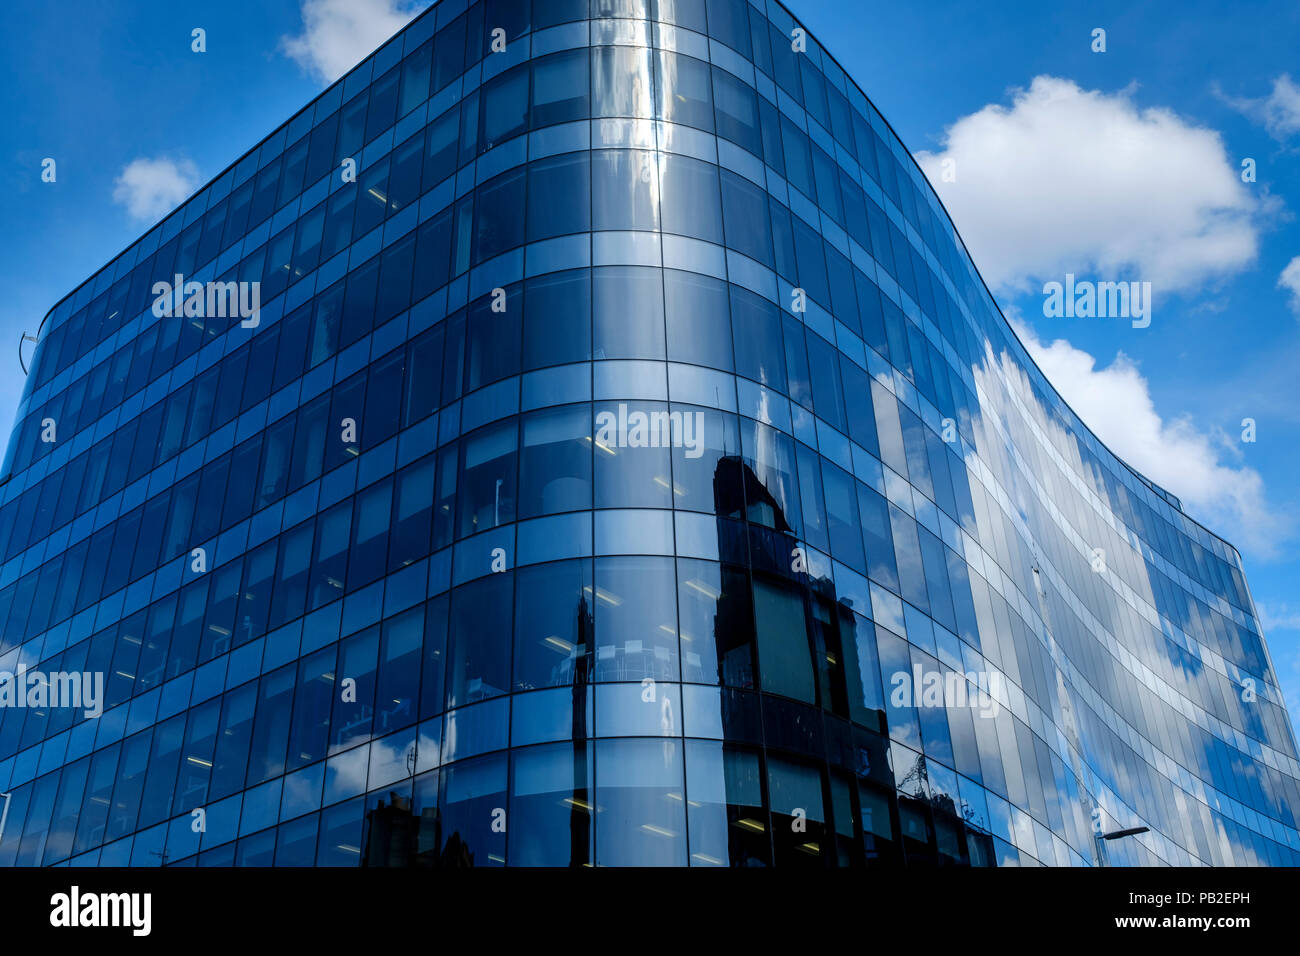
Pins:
x,y
505,107
424,380
404,180
824,368
557,319
684,92
440,147
295,164
553,625
264,193
862,670
728,22
624,190
814,91
415,79
353,712
773,499
383,104
329,569
413,516
858,410
783,654
449,53
706,473
842,515
560,92
395,279
97,802
397,695
688,191
310,719
555,468
724,790
372,197
716,624
497,223
234,735
798,159
358,313
745,212
756,327
918,455
472,790
559,196
369,550
640,818
493,338
635,610
888,429
550,806
271,728
796,361
293,569
684,13
487,479
633,469
877,537
620,82
826,176
628,313
911,572
698,318
811,257
433,657
444,513
737,111
896,673
478,651
432,256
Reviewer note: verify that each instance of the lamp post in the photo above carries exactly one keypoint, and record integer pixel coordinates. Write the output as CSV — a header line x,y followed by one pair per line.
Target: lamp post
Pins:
x,y
1117,834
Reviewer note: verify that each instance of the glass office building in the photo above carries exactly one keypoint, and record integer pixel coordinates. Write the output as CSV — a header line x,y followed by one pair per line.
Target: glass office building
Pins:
x,y
627,465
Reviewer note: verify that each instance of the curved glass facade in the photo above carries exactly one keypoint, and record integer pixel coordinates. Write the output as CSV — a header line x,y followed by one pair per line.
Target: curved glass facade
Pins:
x,y
627,465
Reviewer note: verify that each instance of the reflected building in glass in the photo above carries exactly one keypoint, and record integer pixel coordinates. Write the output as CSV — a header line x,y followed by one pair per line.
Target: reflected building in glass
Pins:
x,y
626,466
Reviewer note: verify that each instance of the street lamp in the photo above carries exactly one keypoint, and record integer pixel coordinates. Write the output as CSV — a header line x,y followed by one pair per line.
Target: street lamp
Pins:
x,y
1116,834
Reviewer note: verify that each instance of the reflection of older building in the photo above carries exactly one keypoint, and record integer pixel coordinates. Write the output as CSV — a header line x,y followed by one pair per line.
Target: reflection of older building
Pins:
x,y
738,491
580,800
933,829
396,837
391,833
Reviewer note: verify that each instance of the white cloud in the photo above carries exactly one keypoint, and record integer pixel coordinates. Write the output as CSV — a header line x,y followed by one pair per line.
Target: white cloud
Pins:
x,y
1281,617
1073,180
1115,402
1290,279
337,34
151,188
1279,112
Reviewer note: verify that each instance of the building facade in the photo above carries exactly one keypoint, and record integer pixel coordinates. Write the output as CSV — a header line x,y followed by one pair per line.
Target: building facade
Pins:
x,y
616,459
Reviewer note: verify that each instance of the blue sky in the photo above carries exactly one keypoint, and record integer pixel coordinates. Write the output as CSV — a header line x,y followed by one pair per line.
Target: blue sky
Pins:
x,y
1115,165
